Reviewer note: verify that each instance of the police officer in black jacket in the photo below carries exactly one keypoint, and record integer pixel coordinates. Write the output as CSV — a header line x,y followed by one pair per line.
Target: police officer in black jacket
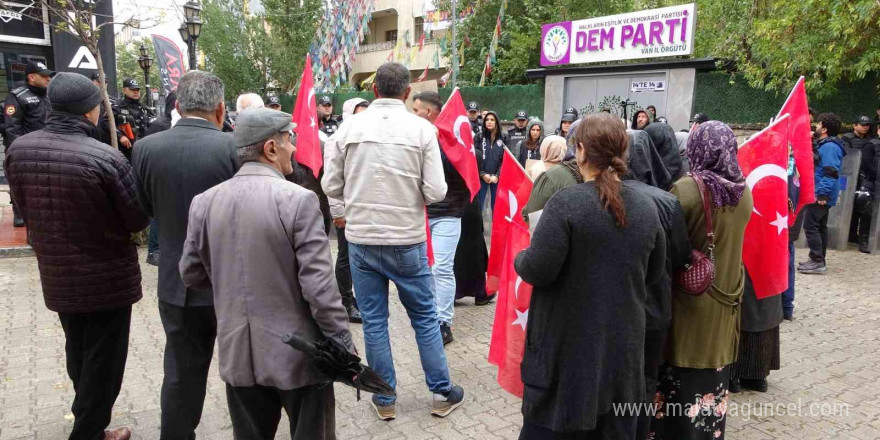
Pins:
x,y
860,139
519,132
473,110
25,110
129,110
326,121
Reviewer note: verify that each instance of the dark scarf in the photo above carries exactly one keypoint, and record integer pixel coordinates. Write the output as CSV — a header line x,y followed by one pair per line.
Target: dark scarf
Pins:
x,y
711,153
664,141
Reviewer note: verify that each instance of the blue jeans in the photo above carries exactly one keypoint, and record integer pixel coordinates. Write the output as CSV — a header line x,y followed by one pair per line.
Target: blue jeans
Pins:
x,y
788,294
372,266
481,196
445,232
153,239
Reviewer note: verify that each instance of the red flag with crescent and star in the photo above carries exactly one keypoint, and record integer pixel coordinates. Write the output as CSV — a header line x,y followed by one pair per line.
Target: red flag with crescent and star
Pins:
x,y
511,314
305,115
764,162
801,141
458,143
514,189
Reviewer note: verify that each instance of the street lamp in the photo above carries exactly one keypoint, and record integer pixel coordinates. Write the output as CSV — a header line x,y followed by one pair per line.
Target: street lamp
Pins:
x,y
191,29
145,61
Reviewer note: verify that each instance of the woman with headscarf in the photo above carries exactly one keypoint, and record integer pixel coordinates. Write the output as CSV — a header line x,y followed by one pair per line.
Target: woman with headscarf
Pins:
x,y
556,178
530,147
703,339
640,120
490,144
645,162
553,150
594,252
663,137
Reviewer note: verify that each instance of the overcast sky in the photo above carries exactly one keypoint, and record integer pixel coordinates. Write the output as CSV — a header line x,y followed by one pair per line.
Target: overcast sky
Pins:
x,y
163,16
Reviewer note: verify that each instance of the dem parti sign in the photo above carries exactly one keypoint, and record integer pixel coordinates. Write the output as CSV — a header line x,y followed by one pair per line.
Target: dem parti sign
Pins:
x,y
644,34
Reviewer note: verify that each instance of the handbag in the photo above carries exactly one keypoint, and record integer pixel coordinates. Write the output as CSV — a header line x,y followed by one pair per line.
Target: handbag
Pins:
x,y
697,276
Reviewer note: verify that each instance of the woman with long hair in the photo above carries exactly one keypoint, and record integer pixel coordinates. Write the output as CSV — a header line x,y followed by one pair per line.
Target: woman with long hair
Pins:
x,y
596,248
491,143
703,338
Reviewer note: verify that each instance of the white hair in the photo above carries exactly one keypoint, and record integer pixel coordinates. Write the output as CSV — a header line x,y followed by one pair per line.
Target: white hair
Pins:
x,y
248,100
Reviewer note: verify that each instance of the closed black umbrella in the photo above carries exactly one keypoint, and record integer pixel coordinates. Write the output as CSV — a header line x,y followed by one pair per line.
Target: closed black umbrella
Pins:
x,y
334,360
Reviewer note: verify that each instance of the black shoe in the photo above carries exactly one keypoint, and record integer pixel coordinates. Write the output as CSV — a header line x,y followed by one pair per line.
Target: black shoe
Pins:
x,y
788,318
813,267
759,385
17,221
153,258
863,248
446,333
486,300
734,385
354,315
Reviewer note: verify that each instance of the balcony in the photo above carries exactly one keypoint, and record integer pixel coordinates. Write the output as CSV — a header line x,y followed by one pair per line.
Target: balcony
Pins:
x,y
375,47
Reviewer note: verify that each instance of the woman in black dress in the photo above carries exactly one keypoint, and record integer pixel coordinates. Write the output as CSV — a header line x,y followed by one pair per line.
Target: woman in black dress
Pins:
x,y
471,255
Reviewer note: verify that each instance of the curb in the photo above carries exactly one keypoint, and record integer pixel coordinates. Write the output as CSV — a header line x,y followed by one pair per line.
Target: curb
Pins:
x,y
16,252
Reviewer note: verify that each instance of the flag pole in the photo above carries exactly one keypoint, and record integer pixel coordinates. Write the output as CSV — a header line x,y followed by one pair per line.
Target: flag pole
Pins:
x,y
454,45
791,93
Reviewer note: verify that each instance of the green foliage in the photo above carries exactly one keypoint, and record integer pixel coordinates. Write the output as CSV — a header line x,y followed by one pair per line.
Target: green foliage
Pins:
x,y
127,63
293,25
771,42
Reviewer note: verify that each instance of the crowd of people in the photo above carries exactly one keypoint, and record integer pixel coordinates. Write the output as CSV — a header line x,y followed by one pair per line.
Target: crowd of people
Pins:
x,y
241,237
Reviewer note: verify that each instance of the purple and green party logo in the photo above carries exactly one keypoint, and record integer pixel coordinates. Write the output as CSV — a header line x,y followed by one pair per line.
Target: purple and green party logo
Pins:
x,y
555,43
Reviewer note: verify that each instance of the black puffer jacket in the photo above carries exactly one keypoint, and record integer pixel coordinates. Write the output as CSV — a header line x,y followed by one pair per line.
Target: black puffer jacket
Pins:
x,y
78,199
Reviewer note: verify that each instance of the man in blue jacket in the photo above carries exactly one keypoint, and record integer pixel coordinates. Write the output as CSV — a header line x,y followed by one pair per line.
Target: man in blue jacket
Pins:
x,y
830,152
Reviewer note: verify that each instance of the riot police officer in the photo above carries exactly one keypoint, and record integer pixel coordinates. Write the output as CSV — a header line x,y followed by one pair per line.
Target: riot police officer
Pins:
x,y
130,111
326,121
273,102
26,109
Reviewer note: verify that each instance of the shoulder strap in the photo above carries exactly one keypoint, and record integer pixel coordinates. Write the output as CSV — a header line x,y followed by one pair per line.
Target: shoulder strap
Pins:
x,y
18,91
707,209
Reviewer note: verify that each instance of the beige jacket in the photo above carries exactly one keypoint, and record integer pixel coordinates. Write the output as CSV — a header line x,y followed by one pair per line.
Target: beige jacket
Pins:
x,y
259,241
384,162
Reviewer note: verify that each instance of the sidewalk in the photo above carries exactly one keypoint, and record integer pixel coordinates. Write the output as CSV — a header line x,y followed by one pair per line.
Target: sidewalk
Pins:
x,y
13,241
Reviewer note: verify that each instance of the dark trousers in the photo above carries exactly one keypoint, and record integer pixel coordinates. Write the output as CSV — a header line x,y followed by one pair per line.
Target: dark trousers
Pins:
x,y
189,346
97,348
343,270
788,294
256,411
608,427
860,227
816,230
153,240
654,342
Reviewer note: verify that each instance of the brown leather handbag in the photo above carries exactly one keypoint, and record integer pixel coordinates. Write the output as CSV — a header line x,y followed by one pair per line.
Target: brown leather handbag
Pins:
x,y
698,275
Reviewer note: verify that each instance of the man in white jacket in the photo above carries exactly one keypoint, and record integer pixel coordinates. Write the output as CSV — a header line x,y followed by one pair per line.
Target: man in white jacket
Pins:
x,y
385,164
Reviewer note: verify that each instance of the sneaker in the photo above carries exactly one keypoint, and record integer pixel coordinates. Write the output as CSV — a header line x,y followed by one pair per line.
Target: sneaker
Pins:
x,y
153,258
445,403
814,267
446,333
385,412
804,263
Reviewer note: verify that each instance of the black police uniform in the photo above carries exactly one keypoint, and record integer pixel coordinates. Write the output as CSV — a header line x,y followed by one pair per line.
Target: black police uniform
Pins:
x,y
131,111
25,110
327,124
861,218
516,134
272,101
477,123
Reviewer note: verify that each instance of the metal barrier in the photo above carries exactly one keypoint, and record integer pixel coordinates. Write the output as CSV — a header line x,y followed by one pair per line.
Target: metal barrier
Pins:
x,y
874,239
840,216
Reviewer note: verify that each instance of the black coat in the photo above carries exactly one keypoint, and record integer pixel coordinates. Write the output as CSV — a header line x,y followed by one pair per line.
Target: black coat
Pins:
x,y
869,148
79,202
25,110
492,152
172,167
457,193
586,320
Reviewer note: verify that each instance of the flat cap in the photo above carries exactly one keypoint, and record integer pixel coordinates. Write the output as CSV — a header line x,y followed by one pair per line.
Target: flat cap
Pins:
x,y
258,124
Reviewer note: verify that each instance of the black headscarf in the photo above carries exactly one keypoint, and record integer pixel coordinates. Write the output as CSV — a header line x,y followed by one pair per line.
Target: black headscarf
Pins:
x,y
644,162
667,146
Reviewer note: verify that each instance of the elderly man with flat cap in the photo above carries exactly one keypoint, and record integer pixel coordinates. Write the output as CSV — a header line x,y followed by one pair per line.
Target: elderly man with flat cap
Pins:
x,y
258,241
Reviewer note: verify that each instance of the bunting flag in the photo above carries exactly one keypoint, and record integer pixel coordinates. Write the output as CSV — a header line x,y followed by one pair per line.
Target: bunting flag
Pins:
x,y
414,52
368,81
424,75
337,38
437,59
493,46
422,42
444,79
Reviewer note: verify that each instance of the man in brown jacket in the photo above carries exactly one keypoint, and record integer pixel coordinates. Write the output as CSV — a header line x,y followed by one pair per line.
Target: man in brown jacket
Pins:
x,y
259,242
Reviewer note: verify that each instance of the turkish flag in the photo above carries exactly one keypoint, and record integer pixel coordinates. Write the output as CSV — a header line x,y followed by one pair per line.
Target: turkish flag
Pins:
x,y
801,142
511,314
458,144
305,115
514,189
424,75
764,162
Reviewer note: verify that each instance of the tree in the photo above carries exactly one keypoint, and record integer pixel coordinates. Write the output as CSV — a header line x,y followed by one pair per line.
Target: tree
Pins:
x,y
127,61
78,18
771,42
293,24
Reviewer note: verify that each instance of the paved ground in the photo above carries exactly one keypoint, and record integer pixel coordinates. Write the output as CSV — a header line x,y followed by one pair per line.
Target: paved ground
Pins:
x,y
830,357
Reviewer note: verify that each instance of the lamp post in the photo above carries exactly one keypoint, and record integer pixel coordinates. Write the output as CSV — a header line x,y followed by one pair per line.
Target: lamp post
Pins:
x,y
190,29
145,61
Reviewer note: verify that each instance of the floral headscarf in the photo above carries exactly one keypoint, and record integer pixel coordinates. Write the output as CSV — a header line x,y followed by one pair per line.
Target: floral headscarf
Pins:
x,y
711,152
